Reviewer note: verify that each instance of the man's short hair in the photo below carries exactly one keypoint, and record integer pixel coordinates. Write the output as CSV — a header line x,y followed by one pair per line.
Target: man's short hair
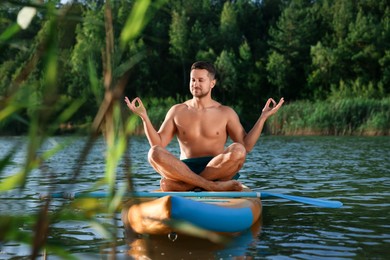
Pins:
x,y
204,65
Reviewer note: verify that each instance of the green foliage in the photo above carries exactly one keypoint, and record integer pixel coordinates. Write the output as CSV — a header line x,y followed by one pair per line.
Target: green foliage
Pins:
x,y
378,124
385,77
136,21
341,13
290,41
356,50
298,49
323,69
178,35
356,89
225,64
245,51
87,56
229,28
158,107
35,93
278,68
349,116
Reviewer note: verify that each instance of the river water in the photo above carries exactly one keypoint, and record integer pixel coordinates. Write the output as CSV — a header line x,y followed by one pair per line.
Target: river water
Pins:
x,y
353,170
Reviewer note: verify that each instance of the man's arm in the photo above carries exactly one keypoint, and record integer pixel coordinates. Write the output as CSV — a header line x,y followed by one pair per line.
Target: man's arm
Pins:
x,y
238,134
165,134
254,134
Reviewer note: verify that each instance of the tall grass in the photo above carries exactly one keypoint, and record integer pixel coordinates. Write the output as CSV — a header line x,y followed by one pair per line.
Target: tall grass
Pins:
x,y
353,116
42,124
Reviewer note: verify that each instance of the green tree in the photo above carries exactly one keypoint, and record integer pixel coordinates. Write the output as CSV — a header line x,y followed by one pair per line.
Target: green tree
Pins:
x,y
226,66
384,61
178,39
385,78
362,41
291,39
279,69
229,28
342,12
358,54
89,46
323,66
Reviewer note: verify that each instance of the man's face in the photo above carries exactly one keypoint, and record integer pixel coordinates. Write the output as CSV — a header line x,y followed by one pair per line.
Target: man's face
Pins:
x,y
200,83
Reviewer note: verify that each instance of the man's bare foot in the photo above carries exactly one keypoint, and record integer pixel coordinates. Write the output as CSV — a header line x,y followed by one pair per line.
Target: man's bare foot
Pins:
x,y
170,185
231,185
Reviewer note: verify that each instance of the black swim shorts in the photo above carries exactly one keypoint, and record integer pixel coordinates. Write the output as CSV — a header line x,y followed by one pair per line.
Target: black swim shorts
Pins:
x,y
198,164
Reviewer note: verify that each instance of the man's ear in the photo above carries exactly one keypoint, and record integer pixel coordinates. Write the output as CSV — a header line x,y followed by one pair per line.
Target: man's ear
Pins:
x,y
213,83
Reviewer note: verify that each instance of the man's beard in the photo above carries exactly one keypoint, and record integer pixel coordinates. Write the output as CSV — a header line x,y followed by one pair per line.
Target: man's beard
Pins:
x,y
198,93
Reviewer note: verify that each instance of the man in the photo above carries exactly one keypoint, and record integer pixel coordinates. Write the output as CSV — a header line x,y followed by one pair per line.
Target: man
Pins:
x,y
202,126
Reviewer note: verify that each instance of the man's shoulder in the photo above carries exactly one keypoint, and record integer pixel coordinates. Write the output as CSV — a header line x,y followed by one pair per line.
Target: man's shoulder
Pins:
x,y
228,112
225,108
180,105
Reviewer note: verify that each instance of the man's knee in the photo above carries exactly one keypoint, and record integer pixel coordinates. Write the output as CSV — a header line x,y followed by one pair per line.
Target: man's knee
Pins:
x,y
155,153
238,152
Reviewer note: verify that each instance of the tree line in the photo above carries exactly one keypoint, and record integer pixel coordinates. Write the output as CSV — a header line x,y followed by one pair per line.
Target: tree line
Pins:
x,y
298,49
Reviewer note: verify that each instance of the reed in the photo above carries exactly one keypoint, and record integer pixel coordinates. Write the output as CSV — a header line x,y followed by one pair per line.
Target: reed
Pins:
x,y
48,110
353,116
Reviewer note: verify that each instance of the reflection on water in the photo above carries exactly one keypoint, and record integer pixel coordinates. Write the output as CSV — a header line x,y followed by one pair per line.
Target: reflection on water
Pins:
x,y
354,170
186,247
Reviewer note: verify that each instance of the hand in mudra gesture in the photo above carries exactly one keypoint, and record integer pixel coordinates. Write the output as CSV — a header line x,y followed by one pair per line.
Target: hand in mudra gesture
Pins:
x,y
270,109
136,106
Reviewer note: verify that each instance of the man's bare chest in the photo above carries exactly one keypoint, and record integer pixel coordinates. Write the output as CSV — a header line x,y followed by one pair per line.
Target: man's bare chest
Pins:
x,y
209,124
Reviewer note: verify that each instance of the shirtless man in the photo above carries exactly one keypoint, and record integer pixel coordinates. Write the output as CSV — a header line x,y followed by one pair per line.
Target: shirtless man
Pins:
x,y
202,126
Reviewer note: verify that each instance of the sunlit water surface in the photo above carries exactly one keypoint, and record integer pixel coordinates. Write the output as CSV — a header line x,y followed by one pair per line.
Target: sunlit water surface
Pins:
x,y
353,170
